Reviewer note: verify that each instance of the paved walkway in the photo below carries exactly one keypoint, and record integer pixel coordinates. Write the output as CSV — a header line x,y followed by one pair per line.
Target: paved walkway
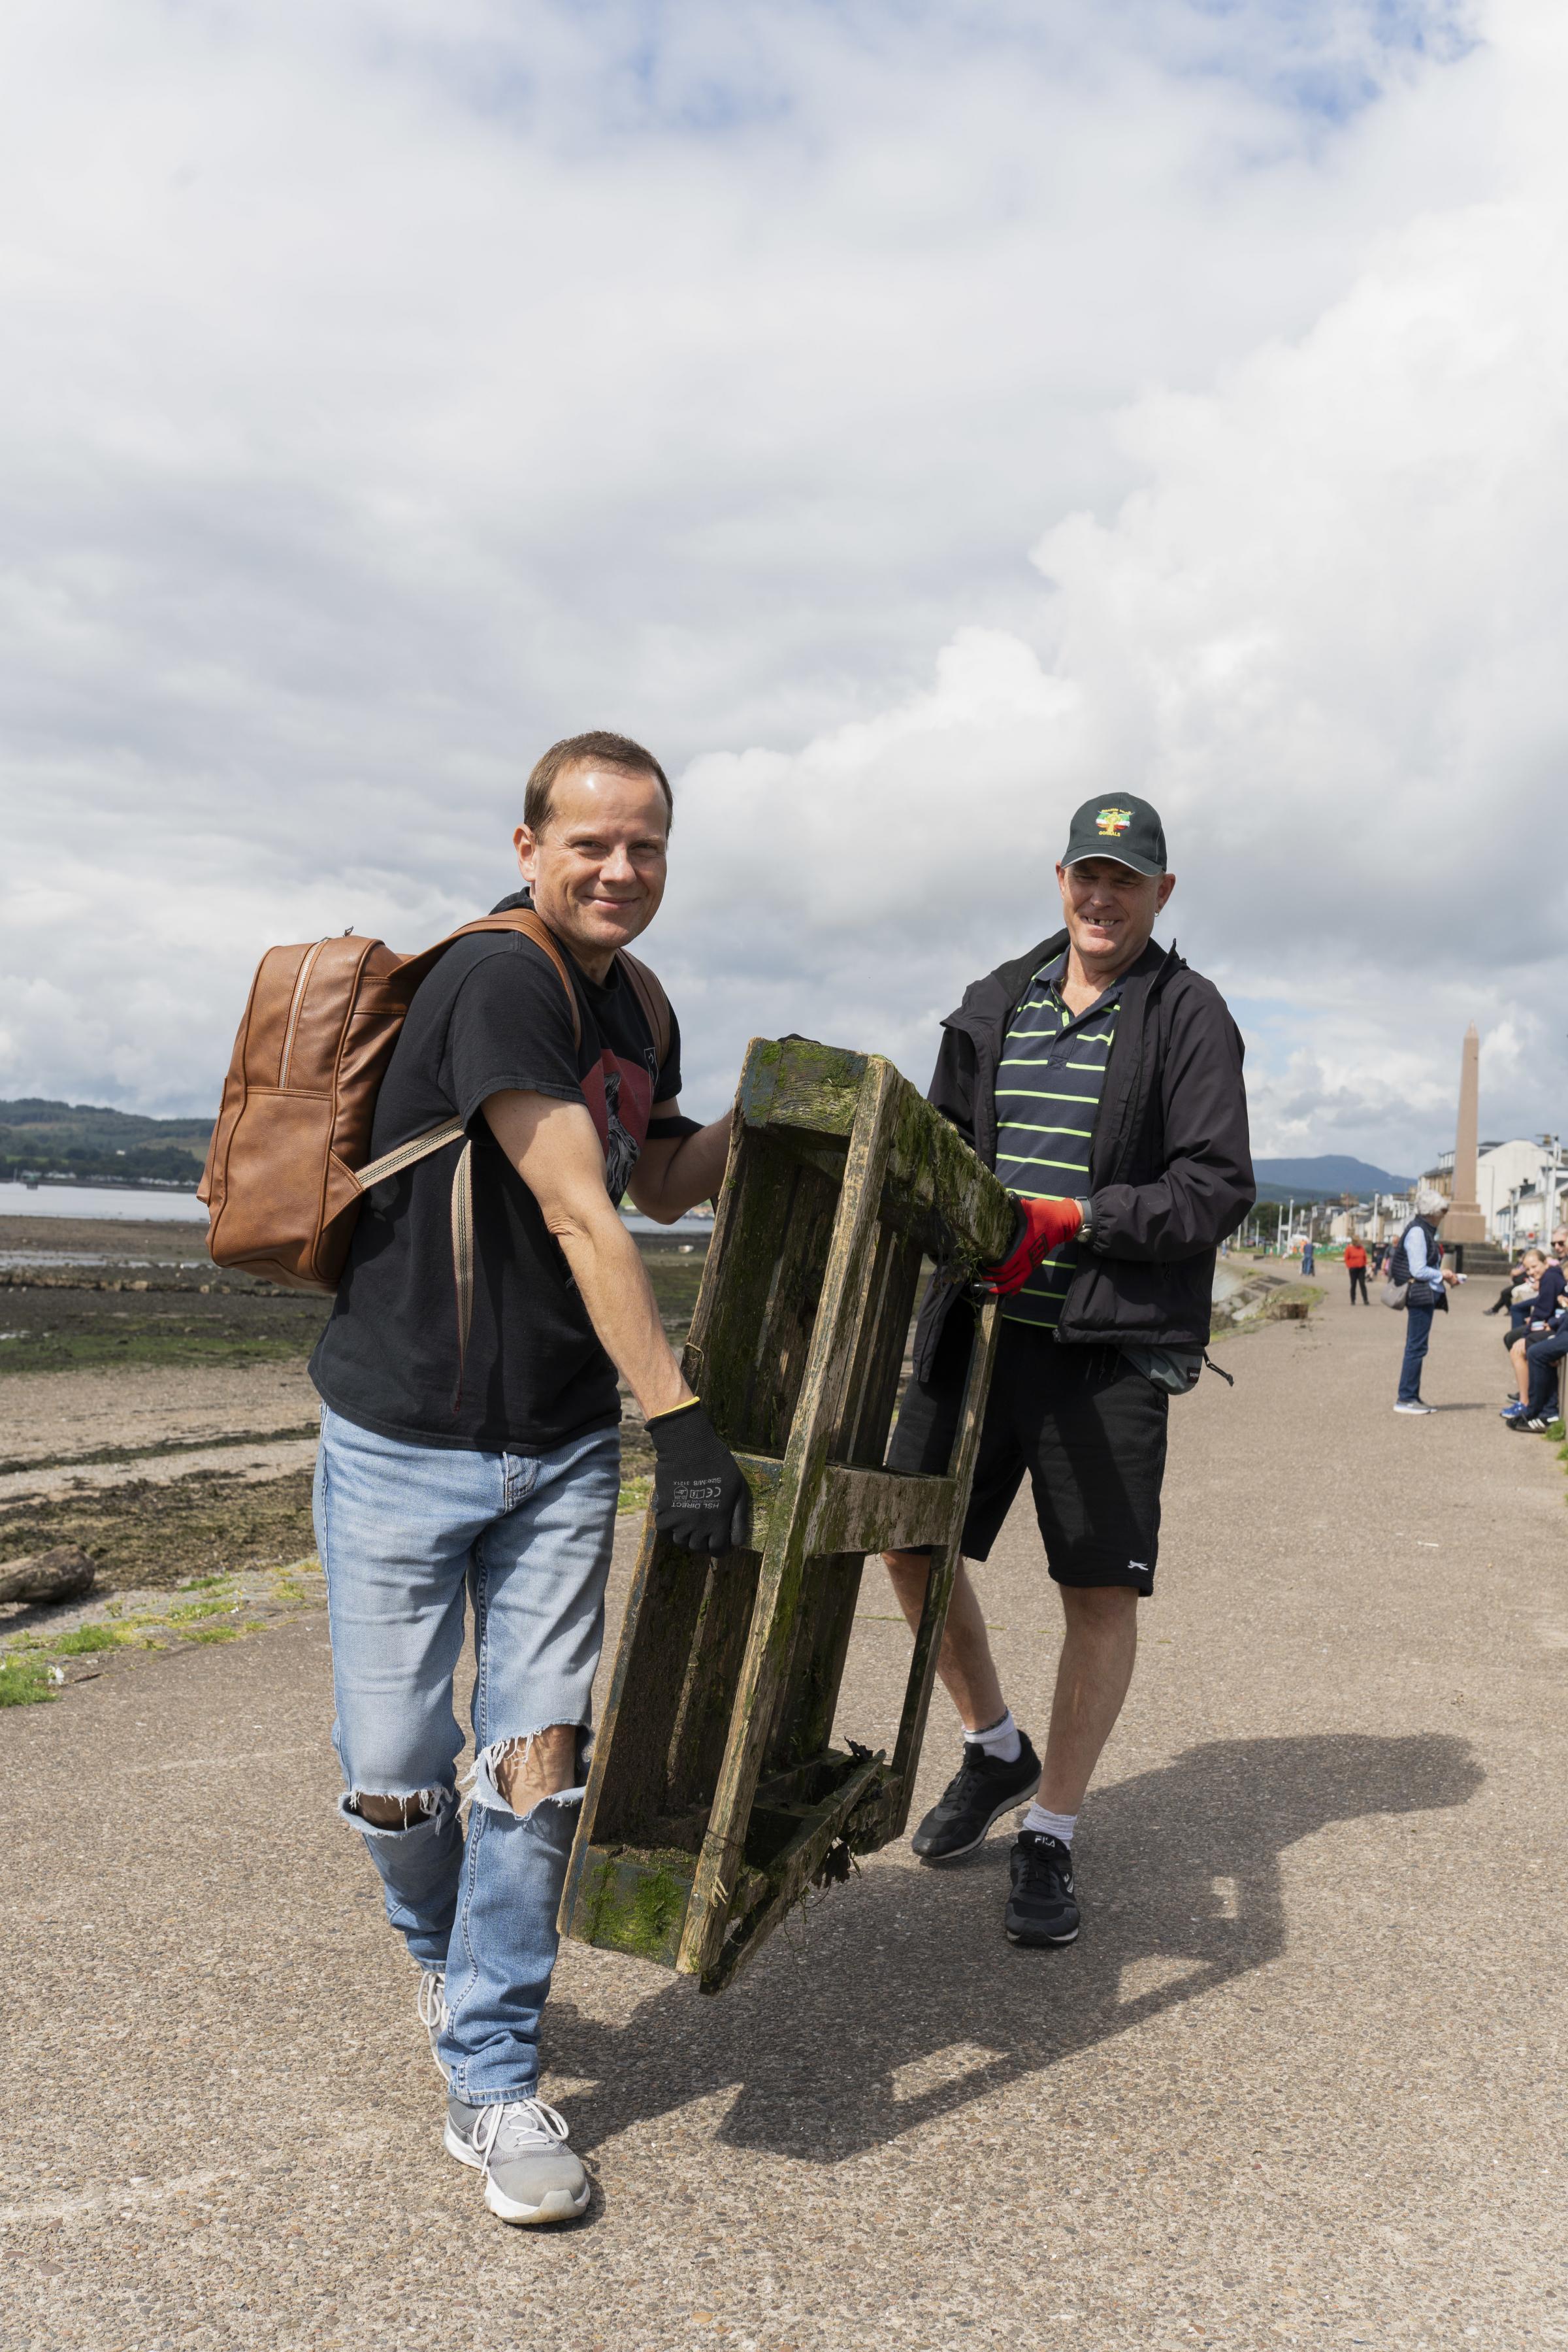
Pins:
x,y
1300,2080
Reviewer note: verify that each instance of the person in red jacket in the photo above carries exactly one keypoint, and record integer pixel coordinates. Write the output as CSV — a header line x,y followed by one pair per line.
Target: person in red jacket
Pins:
x,y
1355,1265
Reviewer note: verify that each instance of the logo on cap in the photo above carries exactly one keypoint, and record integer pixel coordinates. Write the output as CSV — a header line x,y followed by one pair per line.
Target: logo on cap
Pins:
x,y
1113,821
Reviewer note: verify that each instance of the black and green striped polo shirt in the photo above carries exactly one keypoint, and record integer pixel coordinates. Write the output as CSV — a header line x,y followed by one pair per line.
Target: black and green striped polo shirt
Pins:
x,y
1048,1094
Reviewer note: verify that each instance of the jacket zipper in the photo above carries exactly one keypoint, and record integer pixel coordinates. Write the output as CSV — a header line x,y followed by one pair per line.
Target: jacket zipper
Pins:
x,y
1131,1102
1118,1156
296,1007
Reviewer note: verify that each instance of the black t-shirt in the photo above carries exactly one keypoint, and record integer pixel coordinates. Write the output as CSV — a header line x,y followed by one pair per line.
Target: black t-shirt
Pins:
x,y
491,1016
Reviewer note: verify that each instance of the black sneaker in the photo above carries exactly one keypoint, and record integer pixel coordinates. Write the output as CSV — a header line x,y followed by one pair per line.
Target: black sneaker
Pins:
x,y
980,1791
1042,1907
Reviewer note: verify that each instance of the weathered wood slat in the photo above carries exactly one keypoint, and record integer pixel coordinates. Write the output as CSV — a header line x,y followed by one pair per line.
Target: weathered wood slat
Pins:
x,y
798,1083
877,1510
792,1872
854,1510
944,1567
783,1556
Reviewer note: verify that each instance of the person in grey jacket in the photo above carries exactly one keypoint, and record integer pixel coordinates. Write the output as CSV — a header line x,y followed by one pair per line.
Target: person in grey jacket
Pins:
x,y
1102,1079
1427,1294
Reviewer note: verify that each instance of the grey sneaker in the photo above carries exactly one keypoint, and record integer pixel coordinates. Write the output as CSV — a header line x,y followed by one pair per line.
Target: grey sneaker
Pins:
x,y
1415,1408
530,2173
433,2011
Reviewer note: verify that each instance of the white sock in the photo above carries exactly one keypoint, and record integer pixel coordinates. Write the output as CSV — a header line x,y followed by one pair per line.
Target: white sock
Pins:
x,y
1057,1825
1002,1740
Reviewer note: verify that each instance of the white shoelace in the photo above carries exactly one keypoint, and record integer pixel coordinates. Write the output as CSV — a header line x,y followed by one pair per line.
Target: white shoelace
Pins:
x,y
434,2013
527,2122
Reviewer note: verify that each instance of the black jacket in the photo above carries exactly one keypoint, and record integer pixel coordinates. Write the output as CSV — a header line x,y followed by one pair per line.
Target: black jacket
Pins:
x,y
1170,1166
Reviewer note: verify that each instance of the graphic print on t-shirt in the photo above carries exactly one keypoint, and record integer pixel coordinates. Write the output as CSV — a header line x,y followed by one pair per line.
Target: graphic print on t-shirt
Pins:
x,y
619,1095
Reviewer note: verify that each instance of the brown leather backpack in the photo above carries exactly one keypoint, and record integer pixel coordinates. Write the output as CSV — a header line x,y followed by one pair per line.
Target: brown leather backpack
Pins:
x,y
286,1171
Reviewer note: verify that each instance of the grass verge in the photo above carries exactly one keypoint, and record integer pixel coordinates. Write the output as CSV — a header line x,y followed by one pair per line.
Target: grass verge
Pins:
x,y
25,1682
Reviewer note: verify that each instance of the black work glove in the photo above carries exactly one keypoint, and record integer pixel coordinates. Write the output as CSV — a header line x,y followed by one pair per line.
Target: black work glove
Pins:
x,y
701,1501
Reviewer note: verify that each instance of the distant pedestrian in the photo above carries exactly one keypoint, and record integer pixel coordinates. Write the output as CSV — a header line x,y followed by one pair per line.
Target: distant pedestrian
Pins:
x,y
1417,1262
1355,1267
1307,1259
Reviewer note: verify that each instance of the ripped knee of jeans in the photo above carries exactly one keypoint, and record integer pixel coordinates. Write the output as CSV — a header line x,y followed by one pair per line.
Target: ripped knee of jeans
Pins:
x,y
512,1776
393,1813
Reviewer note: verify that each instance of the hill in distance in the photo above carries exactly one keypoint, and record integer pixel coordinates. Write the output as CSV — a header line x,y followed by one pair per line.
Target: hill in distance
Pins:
x,y
1324,1178
89,1142
94,1144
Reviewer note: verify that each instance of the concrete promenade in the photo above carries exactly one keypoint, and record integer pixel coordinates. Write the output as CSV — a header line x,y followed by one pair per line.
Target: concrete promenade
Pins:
x,y
1299,2083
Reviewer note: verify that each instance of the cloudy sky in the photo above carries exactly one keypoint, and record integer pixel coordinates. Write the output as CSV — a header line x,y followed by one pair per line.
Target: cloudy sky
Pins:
x,y
909,417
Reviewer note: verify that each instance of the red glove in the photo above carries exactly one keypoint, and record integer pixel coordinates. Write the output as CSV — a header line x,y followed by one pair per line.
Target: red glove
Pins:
x,y
1043,1226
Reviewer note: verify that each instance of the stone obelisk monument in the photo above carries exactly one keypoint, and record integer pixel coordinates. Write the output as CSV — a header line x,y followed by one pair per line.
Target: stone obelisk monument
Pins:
x,y
1465,1222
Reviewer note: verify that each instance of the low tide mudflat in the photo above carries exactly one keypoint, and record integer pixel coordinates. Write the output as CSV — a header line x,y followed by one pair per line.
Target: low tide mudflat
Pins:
x,y
157,1409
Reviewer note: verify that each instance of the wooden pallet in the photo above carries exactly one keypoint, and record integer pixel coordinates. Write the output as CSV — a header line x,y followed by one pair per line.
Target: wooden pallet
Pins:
x,y
715,1796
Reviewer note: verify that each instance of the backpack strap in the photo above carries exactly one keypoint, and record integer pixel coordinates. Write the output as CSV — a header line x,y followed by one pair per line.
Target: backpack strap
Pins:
x,y
533,926
655,1005
650,996
451,1130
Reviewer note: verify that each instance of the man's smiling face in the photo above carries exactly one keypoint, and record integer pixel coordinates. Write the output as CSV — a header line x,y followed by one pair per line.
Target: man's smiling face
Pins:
x,y
597,867
1110,911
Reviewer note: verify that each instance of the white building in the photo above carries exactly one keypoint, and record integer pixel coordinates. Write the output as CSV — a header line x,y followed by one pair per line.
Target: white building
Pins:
x,y
1520,1193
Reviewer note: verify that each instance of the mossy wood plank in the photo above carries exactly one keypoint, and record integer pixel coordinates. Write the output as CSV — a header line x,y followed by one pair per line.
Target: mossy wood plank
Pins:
x,y
632,1902
752,1333
741,1324
784,1557
701,1726
626,1791
942,1195
877,1510
796,1082
792,1871
854,1510
808,1689
865,1420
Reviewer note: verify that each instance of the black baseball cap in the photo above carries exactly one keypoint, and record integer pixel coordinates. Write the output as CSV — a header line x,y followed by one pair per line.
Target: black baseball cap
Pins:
x,y
1117,826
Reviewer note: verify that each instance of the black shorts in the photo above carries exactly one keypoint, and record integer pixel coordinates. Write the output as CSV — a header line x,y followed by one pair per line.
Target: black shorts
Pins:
x,y
1088,1429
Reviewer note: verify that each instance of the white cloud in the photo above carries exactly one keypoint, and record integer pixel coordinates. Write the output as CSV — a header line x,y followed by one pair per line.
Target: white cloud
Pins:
x,y
399,388
1325,637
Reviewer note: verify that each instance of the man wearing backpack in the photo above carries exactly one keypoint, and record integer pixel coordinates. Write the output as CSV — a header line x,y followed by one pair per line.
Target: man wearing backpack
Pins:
x,y
1101,1078
484,1462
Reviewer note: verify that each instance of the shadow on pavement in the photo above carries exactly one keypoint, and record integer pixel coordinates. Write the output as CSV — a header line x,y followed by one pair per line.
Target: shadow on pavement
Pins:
x,y
895,1999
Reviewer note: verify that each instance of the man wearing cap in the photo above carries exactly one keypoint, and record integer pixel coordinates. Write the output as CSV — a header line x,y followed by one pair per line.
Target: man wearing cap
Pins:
x,y
1101,1078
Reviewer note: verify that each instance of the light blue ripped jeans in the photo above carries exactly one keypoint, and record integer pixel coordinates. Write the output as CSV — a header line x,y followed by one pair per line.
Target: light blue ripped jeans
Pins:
x,y
405,1532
